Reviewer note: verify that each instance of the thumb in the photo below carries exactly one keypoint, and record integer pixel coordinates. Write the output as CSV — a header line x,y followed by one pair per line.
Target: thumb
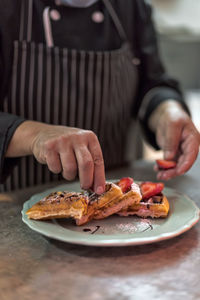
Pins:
x,y
169,154
172,142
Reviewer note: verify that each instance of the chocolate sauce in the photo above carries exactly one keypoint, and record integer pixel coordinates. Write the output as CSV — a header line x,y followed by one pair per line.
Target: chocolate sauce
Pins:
x,y
86,229
97,228
157,198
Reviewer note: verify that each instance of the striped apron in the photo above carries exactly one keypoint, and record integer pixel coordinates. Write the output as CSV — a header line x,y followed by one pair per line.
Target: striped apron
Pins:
x,y
86,89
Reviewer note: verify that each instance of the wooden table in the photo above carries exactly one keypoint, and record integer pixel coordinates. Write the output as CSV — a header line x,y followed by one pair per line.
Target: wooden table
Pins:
x,y
35,267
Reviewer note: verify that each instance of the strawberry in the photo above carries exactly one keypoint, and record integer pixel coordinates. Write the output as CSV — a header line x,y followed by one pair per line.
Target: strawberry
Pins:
x,y
149,189
125,184
165,164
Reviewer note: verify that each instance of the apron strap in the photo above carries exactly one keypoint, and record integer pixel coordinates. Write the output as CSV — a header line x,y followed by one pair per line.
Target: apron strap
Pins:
x,y
26,15
47,27
114,17
25,32
116,20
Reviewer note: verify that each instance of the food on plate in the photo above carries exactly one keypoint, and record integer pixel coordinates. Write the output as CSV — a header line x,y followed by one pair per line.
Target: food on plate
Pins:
x,y
125,184
100,204
149,189
59,205
124,197
110,202
130,190
154,207
153,204
165,164
85,206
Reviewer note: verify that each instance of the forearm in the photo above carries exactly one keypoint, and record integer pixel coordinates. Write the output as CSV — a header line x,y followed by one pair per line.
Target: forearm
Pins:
x,y
23,138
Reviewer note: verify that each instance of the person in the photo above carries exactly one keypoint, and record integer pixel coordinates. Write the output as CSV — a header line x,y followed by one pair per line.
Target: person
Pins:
x,y
73,75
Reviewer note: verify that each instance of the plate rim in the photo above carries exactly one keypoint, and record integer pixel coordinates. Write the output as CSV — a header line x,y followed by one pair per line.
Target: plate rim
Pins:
x,y
111,242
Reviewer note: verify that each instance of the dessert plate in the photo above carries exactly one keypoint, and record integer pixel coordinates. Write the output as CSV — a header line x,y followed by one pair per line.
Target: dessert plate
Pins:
x,y
115,230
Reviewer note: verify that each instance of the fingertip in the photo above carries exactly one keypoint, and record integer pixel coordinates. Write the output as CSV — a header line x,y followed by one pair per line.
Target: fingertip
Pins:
x,y
181,169
99,181
159,176
99,190
85,188
99,185
165,176
155,168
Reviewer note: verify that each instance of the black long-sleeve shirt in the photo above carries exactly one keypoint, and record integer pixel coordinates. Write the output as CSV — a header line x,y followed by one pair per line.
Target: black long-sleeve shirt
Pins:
x,y
76,29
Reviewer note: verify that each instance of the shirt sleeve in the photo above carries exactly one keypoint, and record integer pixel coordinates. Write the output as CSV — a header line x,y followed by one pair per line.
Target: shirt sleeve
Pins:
x,y
8,125
155,85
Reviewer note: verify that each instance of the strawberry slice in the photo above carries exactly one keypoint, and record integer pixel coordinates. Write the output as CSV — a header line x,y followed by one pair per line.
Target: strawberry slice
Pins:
x,y
165,164
149,189
125,184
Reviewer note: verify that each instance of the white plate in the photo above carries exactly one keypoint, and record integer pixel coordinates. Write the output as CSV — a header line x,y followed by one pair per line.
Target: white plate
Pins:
x,y
115,230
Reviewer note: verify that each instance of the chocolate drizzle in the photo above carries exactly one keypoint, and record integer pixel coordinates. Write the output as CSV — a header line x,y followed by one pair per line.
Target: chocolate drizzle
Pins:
x,y
86,229
57,197
90,230
157,198
97,228
95,197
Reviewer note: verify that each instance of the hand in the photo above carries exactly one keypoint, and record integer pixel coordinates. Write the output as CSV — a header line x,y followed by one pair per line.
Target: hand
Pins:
x,y
64,149
71,151
178,138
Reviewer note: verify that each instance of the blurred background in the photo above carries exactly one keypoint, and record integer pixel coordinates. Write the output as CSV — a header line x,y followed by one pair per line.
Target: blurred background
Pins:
x,y
177,24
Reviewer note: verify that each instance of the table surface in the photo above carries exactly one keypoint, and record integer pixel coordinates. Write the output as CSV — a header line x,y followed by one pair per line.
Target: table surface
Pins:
x,y
35,267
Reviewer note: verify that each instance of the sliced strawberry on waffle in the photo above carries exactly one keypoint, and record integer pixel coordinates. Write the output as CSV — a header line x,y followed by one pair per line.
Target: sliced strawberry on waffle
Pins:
x,y
153,204
149,189
165,164
125,184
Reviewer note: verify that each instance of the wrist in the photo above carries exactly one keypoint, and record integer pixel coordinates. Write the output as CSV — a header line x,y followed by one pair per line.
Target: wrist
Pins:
x,y
164,108
21,143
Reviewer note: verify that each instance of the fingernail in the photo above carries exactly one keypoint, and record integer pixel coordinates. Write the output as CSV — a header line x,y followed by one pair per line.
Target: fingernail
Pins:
x,y
99,190
158,176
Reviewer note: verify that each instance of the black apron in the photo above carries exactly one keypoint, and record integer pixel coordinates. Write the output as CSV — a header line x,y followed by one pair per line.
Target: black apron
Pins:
x,y
86,89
